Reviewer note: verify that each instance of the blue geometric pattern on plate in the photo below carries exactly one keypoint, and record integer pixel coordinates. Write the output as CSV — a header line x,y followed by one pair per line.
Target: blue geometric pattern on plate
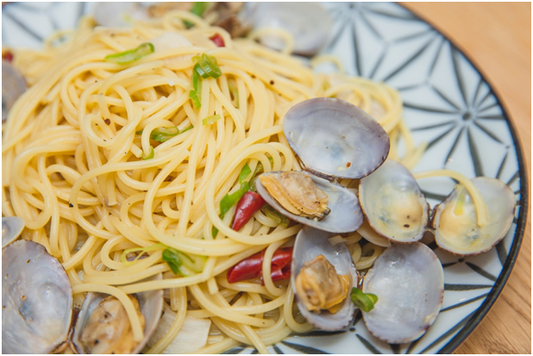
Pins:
x,y
447,103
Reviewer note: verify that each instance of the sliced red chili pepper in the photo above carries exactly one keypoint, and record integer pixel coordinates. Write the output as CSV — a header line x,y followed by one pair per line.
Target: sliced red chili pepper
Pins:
x,y
252,266
7,55
247,206
219,41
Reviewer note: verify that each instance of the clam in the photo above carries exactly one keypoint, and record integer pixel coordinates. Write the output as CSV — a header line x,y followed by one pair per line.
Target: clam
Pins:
x,y
334,138
338,211
322,277
36,300
409,282
393,203
455,219
103,325
119,14
12,227
13,86
308,23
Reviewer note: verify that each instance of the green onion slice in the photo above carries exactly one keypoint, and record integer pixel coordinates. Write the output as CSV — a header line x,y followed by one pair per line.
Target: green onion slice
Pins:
x,y
131,55
150,155
162,134
207,66
210,120
278,218
190,127
235,93
364,301
142,250
182,263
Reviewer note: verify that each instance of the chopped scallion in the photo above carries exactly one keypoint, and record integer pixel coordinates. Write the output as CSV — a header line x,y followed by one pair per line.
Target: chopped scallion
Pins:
x,y
235,93
162,134
207,66
150,155
131,55
364,301
210,120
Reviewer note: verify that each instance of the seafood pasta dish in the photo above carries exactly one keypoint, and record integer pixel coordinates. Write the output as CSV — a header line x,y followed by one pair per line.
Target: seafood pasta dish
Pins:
x,y
171,188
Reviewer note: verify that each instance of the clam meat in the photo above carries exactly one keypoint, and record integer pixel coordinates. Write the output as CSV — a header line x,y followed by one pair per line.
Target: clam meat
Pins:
x,y
319,287
103,325
322,278
311,200
334,138
409,282
110,315
297,193
394,204
455,219
36,300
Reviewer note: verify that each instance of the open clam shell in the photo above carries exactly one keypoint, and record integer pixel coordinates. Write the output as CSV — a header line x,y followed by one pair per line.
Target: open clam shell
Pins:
x,y
409,282
335,138
36,300
345,214
309,244
12,227
308,23
455,219
394,204
151,306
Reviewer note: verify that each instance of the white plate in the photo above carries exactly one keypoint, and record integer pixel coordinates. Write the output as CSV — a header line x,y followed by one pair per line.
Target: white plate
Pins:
x,y
446,102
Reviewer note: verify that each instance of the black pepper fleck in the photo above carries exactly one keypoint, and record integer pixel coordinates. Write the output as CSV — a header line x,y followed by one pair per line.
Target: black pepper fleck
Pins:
x,y
271,82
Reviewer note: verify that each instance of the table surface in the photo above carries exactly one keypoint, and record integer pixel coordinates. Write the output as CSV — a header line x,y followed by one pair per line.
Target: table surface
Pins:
x,y
496,37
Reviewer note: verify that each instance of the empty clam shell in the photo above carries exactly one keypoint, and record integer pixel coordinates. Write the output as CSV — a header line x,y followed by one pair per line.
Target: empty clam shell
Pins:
x,y
335,138
393,203
13,86
12,227
308,23
409,282
309,244
151,306
455,219
36,300
345,214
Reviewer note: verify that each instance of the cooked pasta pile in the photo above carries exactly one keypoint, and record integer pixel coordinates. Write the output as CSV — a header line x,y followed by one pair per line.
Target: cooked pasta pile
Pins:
x,y
82,168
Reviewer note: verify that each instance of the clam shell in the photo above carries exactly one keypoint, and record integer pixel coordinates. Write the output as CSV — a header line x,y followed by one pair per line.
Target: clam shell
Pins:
x,y
335,138
308,23
12,227
36,300
345,215
309,244
150,303
460,234
394,204
409,282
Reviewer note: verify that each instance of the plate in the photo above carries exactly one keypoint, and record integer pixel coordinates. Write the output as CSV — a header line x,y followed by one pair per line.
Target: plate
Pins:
x,y
447,103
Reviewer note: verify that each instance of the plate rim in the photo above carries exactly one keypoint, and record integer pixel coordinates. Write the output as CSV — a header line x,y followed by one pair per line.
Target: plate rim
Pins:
x,y
523,204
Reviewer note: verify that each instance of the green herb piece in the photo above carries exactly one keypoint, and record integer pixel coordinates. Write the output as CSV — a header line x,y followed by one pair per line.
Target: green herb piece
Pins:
x,y
150,155
131,55
140,132
210,120
278,218
198,8
162,134
235,93
207,66
182,263
245,172
190,127
214,232
258,170
364,301
231,199
196,93
142,250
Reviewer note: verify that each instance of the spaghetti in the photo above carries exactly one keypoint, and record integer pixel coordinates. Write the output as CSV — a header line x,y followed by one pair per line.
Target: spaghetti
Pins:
x,y
81,167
